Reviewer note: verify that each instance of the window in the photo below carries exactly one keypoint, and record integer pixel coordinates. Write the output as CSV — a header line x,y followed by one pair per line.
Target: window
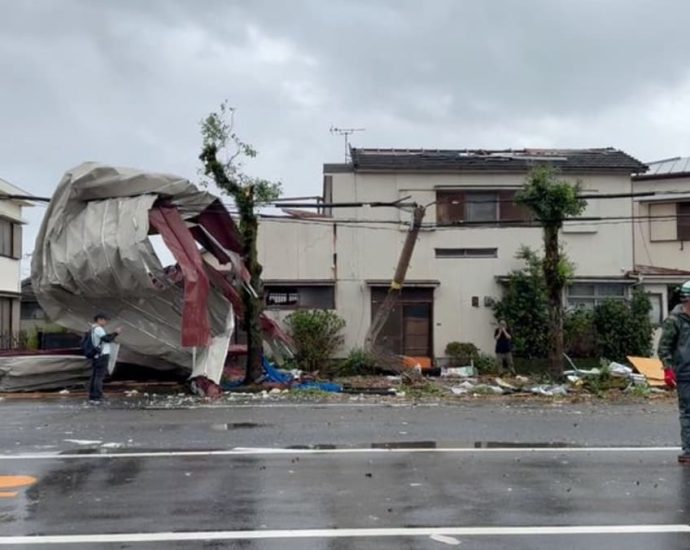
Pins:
x,y
589,295
656,314
10,239
466,252
683,221
482,206
6,328
32,311
298,297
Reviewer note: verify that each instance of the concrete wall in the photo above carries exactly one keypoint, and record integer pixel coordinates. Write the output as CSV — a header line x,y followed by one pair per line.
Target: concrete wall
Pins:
x,y
656,242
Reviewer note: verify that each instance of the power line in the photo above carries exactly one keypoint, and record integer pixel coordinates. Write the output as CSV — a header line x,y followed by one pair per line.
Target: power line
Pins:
x,y
399,203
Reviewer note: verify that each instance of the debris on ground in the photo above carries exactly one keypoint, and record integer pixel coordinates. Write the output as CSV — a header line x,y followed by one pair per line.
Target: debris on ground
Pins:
x,y
651,368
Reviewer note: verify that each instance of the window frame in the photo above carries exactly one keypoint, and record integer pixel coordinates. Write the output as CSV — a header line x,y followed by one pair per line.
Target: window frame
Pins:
x,y
14,239
453,206
466,253
596,298
297,290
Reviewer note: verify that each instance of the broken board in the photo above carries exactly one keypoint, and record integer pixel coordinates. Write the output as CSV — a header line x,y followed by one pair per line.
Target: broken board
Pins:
x,y
652,368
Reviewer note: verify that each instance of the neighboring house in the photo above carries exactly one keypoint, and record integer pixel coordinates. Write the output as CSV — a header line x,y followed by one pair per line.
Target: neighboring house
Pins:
x,y
662,230
346,262
10,260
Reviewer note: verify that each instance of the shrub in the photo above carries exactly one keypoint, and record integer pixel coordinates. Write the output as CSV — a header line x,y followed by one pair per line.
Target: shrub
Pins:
x,y
358,362
316,335
486,364
623,327
524,307
579,334
461,353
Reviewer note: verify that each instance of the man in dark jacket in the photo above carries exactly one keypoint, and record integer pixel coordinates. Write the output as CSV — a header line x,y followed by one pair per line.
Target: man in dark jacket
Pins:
x,y
674,352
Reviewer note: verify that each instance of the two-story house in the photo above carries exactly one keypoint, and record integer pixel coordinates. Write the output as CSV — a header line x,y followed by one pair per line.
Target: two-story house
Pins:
x,y
661,230
10,260
473,232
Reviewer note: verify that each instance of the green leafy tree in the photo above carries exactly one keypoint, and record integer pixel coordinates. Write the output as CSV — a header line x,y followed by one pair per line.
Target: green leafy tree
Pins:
x,y
524,306
316,335
552,201
624,328
223,155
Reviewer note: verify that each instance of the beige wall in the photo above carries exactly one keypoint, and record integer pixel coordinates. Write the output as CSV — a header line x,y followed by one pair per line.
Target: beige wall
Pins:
x,y
291,249
9,275
656,241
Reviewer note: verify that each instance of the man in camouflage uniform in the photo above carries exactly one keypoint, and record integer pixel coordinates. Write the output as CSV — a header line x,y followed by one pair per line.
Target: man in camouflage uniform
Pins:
x,y
674,352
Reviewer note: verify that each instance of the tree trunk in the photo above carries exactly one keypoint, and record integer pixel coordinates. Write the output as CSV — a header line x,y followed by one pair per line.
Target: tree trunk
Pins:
x,y
554,288
253,304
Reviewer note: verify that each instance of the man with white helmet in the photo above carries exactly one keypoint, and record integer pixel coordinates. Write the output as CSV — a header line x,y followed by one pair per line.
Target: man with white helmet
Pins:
x,y
674,352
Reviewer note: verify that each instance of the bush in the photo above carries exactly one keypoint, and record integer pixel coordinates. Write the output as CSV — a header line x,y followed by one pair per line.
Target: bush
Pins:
x,y
316,335
461,353
524,307
358,362
486,364
624,328
579,334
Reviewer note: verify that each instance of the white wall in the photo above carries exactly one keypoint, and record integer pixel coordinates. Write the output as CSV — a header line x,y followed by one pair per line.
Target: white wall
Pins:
x,y
292,249
9,275
371,254
655,240
10,271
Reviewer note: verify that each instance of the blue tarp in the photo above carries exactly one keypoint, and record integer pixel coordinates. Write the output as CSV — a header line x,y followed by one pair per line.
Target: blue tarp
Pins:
x,y
274,375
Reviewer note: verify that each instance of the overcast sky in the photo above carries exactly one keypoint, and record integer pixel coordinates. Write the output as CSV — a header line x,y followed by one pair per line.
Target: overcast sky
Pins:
x,y
127,81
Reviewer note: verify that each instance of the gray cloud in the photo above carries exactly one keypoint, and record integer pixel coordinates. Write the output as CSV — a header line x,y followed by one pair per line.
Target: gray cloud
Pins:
x,y
127,82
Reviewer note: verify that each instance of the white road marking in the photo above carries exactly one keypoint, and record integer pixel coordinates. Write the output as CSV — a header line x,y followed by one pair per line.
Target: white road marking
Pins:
x,y
452,541
347,533
261,451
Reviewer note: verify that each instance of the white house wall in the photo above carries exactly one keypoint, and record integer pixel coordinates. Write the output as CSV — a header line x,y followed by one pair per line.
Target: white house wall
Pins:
x,y
368,252
291,249
655,240
9,275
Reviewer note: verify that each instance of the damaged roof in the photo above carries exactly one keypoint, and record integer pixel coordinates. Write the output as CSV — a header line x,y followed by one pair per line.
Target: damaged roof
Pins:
x,y
676,167
651,270
603,160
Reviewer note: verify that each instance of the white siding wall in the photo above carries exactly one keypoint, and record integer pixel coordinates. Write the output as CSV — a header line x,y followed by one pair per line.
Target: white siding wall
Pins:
x,y
9,275
368,254
296,250
655,240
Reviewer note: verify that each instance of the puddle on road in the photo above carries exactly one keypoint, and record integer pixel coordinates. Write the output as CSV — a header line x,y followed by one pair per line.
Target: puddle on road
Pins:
x,y
236,426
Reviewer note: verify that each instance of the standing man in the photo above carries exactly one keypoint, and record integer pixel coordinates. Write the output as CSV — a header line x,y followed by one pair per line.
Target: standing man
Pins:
x,y
101,342
674,352
504,348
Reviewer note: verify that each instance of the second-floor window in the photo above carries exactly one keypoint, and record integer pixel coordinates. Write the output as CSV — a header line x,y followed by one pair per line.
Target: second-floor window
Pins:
x,y
10,239
478,206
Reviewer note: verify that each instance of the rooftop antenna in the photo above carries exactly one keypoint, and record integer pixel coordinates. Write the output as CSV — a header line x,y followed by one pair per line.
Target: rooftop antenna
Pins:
x,y
345,132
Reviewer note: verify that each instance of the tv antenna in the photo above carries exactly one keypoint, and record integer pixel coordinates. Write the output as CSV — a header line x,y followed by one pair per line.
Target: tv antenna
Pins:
x,y
345,132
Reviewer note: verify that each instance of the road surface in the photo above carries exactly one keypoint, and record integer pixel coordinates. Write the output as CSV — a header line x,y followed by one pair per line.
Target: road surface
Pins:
x,y
285,476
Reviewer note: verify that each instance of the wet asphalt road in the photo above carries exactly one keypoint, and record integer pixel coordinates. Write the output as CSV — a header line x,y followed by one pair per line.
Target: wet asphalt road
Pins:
x,y
461,475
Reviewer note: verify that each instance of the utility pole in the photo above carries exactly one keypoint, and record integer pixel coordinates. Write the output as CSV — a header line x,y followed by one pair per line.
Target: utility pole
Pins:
x,y
345,132
398,279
